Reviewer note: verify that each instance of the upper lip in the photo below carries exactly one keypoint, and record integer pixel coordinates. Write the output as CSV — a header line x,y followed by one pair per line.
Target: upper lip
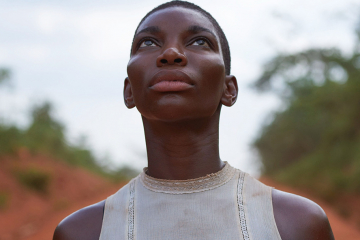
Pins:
x,y
170,75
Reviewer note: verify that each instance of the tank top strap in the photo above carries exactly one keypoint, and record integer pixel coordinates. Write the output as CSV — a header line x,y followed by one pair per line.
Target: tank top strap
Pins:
x,y
118,220
258,210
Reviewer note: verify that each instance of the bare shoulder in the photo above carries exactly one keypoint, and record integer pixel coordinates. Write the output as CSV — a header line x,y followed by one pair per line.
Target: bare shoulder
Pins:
x,y
84,224
300,218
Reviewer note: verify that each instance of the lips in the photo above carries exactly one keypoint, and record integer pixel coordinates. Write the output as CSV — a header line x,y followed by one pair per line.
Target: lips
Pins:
x,y
170,81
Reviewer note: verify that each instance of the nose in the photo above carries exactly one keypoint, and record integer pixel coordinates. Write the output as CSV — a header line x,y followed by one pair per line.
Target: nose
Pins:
x,y
171,56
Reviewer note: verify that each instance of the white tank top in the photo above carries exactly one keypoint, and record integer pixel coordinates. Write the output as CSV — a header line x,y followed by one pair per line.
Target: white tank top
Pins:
x,y
228,204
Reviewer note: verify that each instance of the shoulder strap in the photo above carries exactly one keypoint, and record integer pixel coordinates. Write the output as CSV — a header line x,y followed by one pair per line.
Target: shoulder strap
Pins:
x,y
258,210
118,214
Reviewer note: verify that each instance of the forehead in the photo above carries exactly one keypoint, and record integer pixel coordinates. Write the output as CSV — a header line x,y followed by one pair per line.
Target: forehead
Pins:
x,y
178,17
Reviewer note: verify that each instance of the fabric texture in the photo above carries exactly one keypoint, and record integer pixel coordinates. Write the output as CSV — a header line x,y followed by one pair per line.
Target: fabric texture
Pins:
x,y
229,204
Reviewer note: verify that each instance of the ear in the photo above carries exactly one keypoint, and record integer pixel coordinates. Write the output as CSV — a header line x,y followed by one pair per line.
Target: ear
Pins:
x,y
128,96
230,91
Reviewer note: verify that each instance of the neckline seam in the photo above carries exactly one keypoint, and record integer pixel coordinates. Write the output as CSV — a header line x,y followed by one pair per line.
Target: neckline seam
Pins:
x,y
205,183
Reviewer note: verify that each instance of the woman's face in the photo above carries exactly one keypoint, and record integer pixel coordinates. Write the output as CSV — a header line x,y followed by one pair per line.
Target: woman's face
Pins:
x,y
176,70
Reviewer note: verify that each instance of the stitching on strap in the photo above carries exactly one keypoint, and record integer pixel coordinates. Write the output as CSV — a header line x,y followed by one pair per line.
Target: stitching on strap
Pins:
x,y
241,207
131,211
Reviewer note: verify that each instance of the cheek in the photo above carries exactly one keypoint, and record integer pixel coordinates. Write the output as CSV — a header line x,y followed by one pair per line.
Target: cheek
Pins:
x,y
137,77
134,68
213,72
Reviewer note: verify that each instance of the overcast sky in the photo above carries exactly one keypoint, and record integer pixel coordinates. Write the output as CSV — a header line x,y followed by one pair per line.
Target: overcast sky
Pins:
x,y
74,54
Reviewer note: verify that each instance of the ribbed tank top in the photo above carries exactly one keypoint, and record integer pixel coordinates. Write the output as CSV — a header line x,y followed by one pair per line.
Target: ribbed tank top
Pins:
x,y
229,204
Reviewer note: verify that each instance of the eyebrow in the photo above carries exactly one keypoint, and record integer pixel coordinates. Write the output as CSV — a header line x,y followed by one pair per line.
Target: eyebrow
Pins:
x,y
193,29
197,29
151,29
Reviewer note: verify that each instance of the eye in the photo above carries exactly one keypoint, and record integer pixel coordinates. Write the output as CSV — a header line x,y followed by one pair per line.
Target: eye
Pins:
x,y
200,42
147,43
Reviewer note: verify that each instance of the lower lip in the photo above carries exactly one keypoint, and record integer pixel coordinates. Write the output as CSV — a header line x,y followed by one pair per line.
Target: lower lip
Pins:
x,y
170,86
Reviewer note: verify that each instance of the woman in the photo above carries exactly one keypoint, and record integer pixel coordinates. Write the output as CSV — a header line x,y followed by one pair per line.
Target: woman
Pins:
x,y
178,79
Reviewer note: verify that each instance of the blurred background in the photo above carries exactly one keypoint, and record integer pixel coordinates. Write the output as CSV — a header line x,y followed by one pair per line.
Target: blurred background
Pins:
x,y
67,140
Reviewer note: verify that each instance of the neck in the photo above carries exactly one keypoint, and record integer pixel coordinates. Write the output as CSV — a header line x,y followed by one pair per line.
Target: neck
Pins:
x,y
183,150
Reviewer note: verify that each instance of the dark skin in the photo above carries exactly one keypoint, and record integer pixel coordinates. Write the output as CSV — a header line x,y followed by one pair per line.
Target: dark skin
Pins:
x,y
182,127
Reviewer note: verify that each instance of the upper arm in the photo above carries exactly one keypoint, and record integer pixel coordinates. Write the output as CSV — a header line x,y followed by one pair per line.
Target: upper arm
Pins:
x,y
84,224
300,218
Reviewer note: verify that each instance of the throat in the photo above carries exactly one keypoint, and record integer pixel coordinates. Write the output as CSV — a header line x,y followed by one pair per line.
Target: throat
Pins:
x,y
182,151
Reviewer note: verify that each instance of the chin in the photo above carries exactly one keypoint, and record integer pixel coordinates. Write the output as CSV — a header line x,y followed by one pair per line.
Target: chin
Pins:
x,y
173,113
168,115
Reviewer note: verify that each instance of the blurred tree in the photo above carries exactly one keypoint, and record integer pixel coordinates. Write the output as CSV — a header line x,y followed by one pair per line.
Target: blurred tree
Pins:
x,y
10,136
45,134
314,142
10,139
124,173
4,75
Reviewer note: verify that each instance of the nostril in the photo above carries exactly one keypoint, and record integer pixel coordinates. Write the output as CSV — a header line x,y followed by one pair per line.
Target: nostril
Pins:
x,y
163,61
178,60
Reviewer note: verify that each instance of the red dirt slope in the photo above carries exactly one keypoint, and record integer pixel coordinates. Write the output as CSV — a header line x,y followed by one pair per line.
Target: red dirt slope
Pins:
x,y
34,216
28,213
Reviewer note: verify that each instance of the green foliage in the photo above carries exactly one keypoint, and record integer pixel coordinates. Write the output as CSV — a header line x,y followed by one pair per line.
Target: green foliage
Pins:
x,y
11,138
4,75
45,135
34,179
314,143
124,173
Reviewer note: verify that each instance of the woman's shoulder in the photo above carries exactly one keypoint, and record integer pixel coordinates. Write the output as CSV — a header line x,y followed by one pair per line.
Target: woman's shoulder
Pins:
x,y
297,217
84,224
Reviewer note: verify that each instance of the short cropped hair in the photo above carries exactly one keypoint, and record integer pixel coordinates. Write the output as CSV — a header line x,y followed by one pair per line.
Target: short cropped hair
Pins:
x,y
223,41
